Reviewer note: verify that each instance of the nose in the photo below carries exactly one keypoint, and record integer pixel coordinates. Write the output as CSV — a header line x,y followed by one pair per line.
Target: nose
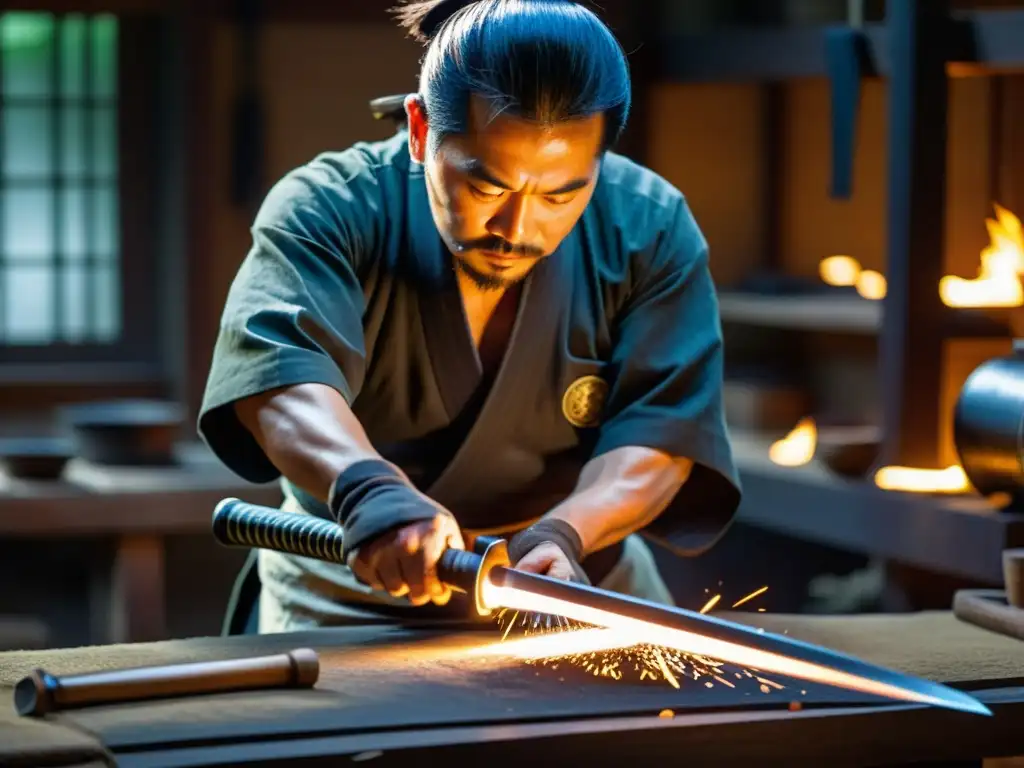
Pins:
x,y
510,221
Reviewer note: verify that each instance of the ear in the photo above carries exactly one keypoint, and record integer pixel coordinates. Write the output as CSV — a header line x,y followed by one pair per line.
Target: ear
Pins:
x,y
416,113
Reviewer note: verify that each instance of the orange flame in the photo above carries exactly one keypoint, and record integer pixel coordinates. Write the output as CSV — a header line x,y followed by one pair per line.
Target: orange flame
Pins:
x,y
952,479
998,283
796,448
872,285
847,271
839,270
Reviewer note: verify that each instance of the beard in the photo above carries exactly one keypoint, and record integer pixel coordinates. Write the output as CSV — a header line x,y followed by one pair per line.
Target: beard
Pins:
x,y
482,280
460,249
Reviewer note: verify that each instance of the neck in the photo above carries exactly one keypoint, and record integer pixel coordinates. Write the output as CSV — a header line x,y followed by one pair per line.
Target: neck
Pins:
x,y
475,295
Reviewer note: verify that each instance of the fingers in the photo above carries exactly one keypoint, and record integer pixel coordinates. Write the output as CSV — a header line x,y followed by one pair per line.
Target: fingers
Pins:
x,y
540,559
404,563
445,535
389,573
408,552
363,565
453,536
548,559
365,573
562,569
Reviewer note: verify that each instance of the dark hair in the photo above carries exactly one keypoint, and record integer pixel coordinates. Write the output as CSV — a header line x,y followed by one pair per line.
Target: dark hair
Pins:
x,y
541,60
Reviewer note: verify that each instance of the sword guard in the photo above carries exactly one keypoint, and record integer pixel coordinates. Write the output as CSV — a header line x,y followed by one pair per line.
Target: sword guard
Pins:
x,y
467,571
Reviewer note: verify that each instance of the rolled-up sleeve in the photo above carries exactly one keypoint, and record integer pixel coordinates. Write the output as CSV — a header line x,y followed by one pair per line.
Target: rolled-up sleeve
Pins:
x,y
294,312
666,376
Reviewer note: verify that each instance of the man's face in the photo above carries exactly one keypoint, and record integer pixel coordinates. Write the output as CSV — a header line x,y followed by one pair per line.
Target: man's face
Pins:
x,y
506,194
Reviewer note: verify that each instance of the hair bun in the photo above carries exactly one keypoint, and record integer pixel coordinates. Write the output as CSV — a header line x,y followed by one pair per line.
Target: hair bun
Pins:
x,y
423,19
434,19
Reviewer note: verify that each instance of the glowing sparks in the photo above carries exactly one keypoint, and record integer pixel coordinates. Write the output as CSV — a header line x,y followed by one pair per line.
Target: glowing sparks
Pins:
x,y
611,653
749,597
560,644
688,645
710,603
660,659
510,625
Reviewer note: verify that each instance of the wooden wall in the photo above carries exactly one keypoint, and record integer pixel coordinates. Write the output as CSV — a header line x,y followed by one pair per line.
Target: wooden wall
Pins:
x,y
707,139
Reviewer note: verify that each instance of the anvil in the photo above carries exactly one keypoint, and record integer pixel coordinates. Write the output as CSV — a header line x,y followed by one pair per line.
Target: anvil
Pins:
x,y
486,574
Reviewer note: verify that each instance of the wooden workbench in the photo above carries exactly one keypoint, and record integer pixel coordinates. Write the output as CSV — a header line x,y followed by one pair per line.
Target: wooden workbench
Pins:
x,y
409,695
137,509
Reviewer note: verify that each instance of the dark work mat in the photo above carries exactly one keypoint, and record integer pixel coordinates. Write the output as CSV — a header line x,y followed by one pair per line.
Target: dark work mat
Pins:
x,y
428,680
381,678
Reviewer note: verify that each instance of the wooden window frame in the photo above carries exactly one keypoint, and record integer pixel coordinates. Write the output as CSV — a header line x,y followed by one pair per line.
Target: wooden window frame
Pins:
x,y
133,363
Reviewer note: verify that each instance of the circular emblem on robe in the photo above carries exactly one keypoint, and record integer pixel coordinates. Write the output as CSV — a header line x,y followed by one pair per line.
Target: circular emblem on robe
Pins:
x,y
584,400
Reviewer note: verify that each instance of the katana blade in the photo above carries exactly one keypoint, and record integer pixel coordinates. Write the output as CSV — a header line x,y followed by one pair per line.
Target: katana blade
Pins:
x,y
484,575
712,637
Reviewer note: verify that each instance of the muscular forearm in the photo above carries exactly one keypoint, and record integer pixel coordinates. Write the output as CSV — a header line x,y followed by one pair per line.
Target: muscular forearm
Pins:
x,y
308,432
621,492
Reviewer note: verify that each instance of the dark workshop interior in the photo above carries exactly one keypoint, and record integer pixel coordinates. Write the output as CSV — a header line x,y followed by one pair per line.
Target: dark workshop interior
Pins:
x,y
860,197
130,181
857,168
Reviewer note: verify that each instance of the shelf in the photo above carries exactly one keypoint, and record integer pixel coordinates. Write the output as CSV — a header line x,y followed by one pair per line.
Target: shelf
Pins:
x,y
984,42
959,536
118,501
847,314
840,314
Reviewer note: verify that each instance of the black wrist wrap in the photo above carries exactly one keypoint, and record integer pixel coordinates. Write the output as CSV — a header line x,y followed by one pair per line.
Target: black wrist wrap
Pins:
x,y
557,532
371,498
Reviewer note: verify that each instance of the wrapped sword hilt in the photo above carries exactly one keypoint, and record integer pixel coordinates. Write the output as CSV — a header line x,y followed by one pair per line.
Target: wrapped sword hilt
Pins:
x,y
240,524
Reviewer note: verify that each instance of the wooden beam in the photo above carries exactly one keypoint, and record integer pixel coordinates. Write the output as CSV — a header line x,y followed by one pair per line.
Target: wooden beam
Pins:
x,y
90,6
1009,177
911,338
979,43
202,308
138,591
313,12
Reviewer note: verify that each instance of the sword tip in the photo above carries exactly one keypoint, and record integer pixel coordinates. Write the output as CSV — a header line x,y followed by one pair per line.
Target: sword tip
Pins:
x,y
964,702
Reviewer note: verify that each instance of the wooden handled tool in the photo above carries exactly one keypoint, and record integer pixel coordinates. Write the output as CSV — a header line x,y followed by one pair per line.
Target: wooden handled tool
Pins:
x,y
993,609
42,692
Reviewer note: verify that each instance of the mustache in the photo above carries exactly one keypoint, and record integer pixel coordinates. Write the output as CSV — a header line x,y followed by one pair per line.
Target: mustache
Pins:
x,y
500,245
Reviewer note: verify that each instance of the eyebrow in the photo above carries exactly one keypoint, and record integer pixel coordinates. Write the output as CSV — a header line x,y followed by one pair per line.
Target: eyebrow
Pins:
x,y
478,171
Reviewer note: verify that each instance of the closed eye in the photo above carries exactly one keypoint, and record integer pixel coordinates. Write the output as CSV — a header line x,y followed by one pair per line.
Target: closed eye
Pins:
x,y
482,195
560,199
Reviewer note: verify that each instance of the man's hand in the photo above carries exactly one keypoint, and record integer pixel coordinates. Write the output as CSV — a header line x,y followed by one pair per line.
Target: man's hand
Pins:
x,y
549,547
403,562
548,559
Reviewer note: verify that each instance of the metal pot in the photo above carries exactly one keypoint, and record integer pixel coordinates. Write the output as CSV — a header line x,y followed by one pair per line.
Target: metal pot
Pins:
x,y
127,432
988,425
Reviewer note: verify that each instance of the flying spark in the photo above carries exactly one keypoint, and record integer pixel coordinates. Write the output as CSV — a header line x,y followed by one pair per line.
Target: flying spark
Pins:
x,y
606,653
710,603
750,597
